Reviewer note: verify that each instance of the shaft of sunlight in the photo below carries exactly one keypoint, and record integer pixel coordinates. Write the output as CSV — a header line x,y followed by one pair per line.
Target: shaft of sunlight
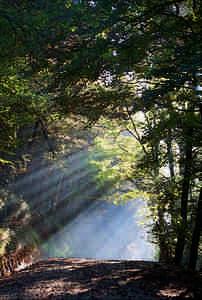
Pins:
x,y
103,231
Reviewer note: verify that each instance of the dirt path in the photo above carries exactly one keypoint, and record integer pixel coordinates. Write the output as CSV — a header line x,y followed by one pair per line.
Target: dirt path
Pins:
x,y
82,279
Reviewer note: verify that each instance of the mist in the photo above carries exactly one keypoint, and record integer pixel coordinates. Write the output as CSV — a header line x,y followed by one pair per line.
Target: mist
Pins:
x,y
70,216
104,231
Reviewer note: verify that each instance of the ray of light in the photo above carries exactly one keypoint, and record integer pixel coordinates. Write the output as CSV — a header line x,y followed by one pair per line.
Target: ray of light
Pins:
x,y
40,186
103,231
41,171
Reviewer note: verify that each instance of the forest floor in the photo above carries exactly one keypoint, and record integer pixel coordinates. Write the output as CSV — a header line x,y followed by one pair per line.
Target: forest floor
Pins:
x,y
82,279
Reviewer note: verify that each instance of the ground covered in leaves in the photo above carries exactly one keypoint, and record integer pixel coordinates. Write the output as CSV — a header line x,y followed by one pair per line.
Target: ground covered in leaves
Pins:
x,y
82,279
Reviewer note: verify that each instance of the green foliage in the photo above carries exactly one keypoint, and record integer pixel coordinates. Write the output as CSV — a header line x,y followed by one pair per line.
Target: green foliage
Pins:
x,y
114,157
61,57
20,106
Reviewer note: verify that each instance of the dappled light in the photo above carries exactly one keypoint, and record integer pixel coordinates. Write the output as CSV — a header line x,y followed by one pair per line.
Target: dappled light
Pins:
x,y
100,150
103,279
64,208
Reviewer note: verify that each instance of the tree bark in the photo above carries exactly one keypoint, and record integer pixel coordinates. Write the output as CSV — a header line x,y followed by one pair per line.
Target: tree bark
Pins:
x,y
170,155
45,133
181,237
40,123
196,235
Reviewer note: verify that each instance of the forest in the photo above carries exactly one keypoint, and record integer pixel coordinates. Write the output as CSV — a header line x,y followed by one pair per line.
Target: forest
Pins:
x,y
109,93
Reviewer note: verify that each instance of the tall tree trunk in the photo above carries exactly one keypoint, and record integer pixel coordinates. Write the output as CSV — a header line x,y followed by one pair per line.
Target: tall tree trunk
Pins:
x,y
162,237
200,108
196,235
170,154
40,124
45,134
164,249
181,238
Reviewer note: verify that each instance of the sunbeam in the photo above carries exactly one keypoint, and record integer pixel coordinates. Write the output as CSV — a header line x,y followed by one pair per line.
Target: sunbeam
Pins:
x,y
70,218
103,231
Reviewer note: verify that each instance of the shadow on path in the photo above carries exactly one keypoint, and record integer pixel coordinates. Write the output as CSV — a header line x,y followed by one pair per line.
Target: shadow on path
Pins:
x,y
84,279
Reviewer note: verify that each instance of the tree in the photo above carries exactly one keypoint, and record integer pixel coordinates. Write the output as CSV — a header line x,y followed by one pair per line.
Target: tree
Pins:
x,y
196,234
115,59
